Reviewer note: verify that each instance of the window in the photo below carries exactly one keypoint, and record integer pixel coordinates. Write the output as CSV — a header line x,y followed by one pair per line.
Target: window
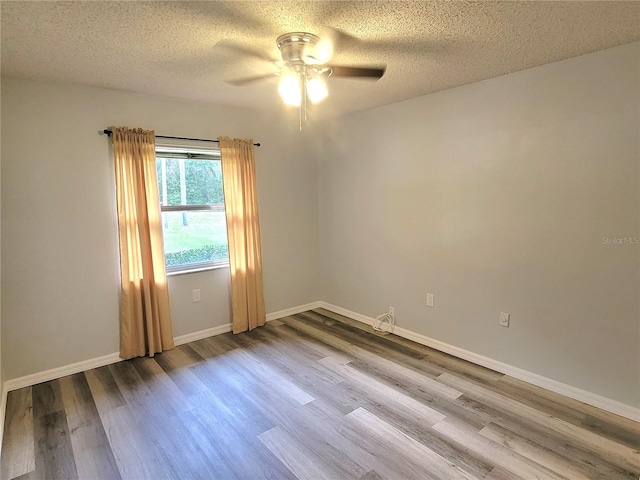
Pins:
x,y
192,205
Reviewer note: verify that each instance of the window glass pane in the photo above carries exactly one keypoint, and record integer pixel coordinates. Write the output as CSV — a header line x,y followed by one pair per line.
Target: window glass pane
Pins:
x,y
189,182
204,178
194,237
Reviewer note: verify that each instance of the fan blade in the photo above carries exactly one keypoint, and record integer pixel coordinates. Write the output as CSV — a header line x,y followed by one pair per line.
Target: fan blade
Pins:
x,y
337,36
241,82
323,51
366,72
331,39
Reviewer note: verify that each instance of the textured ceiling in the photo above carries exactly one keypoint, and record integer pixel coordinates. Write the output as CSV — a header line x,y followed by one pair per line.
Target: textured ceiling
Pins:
x,y
169,48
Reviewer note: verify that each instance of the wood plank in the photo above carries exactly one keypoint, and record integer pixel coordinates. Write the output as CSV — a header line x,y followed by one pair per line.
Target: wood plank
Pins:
x,y
628,457
412,451
351,351
147,390
584,459
210,347
405,378
92,452
371,475
165,394
262,372
29,476
388,395
285,340
393,344
354,335
106,393
309,342
381,362
612,426
423,393
318,427
47,398
134,451
365,327
176,439
54,452
346,397
537,453
325,419
521,466
207,444
302,461
176,363
630,428
407,424
81,412
616,429
499,473
551,404
18,446
298,367
237,445
190,352
229,398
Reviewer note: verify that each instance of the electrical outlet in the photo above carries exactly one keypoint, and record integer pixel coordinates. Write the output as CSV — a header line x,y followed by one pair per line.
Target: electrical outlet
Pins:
x,y
392,311
429,299
504,319
195,295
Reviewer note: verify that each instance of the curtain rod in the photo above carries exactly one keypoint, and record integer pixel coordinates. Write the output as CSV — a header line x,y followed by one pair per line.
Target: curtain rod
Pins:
x,y
109,132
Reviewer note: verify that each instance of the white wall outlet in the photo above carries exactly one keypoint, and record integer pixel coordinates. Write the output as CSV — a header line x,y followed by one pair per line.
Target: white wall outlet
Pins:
x,y
504,319
429,299
195,295
392,311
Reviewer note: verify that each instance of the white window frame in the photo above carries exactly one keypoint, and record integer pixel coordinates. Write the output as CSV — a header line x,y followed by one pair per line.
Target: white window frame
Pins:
x,y
190,152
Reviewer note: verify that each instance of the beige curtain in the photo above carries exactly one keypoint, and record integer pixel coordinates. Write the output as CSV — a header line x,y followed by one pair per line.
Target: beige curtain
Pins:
x,y
145,319
243,232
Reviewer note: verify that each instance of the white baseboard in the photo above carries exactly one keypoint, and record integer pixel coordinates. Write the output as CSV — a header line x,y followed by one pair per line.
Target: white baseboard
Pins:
x,y
292,311
206,333
570,391
347,313
59,372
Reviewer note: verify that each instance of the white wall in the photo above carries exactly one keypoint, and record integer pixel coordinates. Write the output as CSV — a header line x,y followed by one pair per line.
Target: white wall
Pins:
x,y
495,196
59,232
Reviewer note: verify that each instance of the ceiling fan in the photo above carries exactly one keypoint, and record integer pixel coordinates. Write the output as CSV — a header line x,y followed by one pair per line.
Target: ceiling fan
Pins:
x,y
304,69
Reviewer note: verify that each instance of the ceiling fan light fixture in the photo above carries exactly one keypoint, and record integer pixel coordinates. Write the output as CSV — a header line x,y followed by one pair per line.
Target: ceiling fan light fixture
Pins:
x,y
289,90
323,51
316,90
305,62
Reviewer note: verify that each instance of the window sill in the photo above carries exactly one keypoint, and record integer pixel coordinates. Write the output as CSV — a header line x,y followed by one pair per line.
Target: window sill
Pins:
x,y
197,270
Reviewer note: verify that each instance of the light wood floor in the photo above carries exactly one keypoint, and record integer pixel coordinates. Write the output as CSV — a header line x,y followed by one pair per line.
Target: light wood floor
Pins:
x,y
312,396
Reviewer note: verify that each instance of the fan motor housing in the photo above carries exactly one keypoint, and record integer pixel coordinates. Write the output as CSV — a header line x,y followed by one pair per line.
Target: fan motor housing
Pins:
x,y
296,48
